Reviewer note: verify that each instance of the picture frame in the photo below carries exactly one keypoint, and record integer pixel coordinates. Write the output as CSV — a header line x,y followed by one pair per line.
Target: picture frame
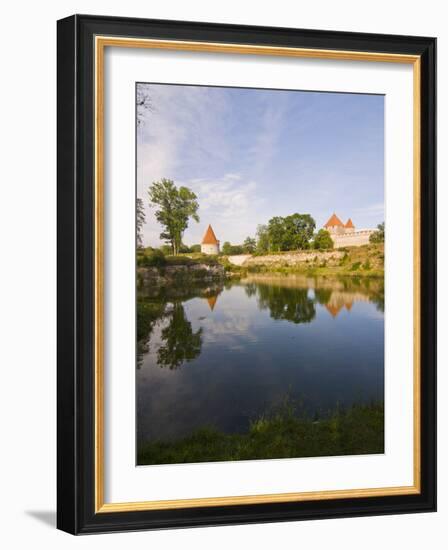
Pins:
x,y
82,42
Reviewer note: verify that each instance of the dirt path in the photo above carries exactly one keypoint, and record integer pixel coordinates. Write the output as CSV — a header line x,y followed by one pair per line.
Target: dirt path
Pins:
x,y
239,260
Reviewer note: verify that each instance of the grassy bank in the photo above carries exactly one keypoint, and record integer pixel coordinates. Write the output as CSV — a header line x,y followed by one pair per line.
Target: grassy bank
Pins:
x,y
360,261
358,430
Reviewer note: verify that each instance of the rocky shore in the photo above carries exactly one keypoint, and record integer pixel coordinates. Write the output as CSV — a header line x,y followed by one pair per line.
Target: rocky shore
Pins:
x,y
178,274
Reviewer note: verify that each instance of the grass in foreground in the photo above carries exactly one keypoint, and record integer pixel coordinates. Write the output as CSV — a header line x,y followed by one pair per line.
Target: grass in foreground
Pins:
x,y
357,430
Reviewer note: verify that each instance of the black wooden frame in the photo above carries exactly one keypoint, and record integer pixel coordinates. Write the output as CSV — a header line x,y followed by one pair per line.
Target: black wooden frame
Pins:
x,y
75,173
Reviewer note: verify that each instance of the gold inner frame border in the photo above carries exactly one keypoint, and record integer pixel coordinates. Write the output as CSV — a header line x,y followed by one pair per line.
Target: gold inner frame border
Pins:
x,y
101,42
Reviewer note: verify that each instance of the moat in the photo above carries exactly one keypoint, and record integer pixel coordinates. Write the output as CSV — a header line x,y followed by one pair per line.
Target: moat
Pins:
x,y
221,355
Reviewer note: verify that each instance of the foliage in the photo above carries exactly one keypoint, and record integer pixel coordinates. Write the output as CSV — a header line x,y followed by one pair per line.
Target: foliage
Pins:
x,y
166,249
180,343
150,257
195,248
283,434
140,221
226,248
143,102
175,207
379,235
232,250
263,239
290,304
249,245
323,240
355,266
290,233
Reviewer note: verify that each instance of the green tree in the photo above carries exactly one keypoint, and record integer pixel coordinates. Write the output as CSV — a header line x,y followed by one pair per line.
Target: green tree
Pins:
x,y
290,233
195,248
180,343
175,207
289,304
236,249
140,221
249,245
263,239
166,249
276,232
226,248
378,235
323,240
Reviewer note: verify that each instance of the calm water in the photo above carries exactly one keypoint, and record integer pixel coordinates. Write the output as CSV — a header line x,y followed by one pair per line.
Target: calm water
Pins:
x,y
223,355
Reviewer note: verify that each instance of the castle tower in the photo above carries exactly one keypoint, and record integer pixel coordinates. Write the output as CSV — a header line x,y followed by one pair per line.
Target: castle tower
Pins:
x,y
349,227
334,225
210,244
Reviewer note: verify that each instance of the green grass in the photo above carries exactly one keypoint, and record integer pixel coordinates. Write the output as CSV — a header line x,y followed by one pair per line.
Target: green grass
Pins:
x,y
357,430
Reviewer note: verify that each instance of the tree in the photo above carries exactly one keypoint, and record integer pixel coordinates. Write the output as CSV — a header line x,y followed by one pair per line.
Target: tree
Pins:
x,y
180,343
140,222
227,248
195,248
263,238
290,233
323,240
176,207
379,235
276,231
299,229
249,245
143,103
290,304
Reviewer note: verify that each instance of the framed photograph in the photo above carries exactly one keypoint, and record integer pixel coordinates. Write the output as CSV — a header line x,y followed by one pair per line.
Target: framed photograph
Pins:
x,y
246,274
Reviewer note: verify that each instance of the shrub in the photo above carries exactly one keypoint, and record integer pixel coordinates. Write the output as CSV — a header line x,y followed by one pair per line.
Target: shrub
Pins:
x,y
152,257
344,259
355,266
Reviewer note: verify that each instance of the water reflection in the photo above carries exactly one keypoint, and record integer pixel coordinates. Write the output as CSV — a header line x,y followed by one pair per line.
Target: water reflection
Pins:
x,y
248,343
180,343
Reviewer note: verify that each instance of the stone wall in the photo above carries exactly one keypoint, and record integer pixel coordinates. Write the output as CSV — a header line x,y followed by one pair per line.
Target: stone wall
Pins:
x,y
358,238
295,258
171,274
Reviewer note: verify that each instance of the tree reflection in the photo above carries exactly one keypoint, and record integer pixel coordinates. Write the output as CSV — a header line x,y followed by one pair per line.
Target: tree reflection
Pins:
x,y
290,304
148,312
323,295
180,343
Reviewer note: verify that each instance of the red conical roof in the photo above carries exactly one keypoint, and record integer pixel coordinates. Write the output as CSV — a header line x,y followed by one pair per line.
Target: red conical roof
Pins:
x,y
210,237
349,223
334,220
212,301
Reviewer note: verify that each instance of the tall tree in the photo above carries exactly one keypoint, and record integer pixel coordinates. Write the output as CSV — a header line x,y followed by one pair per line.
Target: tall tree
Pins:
x,y
290,233
276,232
140,222
323,240
175,208
227,248
378,235
299,229
180,343
249,245
263,244
143,102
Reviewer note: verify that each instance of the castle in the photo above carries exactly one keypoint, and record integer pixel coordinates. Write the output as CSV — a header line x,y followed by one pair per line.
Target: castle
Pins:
x,y
210,244
346,234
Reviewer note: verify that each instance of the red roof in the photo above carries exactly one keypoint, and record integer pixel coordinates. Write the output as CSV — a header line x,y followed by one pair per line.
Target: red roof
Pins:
x,y
210,237
334,220
349,223
212,301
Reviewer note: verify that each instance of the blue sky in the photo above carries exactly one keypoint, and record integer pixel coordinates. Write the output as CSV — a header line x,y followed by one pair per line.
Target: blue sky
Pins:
x,y
252,154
